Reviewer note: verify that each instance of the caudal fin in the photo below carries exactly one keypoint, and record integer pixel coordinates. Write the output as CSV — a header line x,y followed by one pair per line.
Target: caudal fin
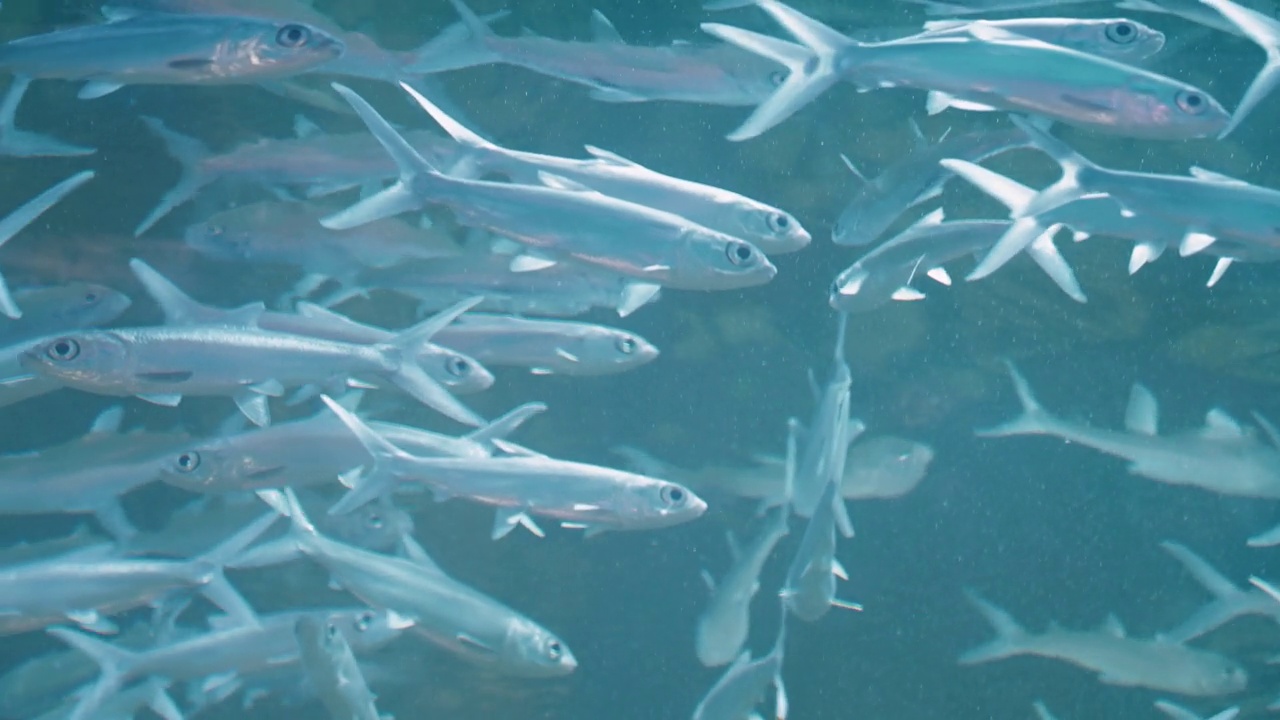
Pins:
x,y
209,566
26,214
1034,420
409,375
374,481
811,69
115,665
461,45
1009,638
16,142
189,153
1068,188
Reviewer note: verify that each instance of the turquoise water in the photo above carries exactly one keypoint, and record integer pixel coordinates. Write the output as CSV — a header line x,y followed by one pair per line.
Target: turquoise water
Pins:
x,y
1048,530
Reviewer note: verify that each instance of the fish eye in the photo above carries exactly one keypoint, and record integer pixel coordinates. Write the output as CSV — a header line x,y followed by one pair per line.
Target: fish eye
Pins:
x,y
364,621
1121,33
673,495
1192,103
187,461
216,230
375,521
626,345
779,222
292,36
740,253
555,650
63,349
331,631
91,297
777,77
458,367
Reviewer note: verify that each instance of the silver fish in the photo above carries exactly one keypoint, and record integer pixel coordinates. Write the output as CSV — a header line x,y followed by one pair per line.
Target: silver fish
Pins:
x,y
986,68
824,447
770,229
562,222
126,705
161,364
58,308
547,346
723,625
1229,601
809,591
220,655
418,594
1119,39
1118,659
86,586
917,177
887,272
16,142
19,219
1221,457
168,49
578,495
737,692
973,7
717,74
331,665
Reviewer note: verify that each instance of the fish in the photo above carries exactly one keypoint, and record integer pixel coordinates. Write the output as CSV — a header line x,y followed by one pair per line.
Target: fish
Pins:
x,y
54,309
27,213
420,596
562,221
317,163
1118,659
1222,457
973,7
16,142
315,450
332,668
289,233
578,495
824,444
219,656
547,346
723,624
1265,31
809,590
140,48
737,692
887,272
917,177
88,475
449,368
615,71
562,290
983,69
768,228
1199,12
880,467
1229,601
1119,39
236,358
87,586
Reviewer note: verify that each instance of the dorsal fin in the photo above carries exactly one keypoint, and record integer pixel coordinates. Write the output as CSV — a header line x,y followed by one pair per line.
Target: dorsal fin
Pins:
x,y
603,31
1219,425
602,154
1200,173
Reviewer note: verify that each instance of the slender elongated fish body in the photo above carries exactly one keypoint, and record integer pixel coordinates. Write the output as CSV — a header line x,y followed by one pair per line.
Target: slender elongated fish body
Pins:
x,y
825,449
228,650
1119,39
723,626
771,229
547,346
85,587
1229,601
563,223
1221,457
809,590
984,68
454,616
619,72
738,692
165,49
331,665
1156,664
878,203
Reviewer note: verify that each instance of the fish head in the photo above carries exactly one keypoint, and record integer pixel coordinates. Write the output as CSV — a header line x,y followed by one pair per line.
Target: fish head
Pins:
x,y
1159,108
286,48
373,526
90,304
221,240
530,650
713,261
219,464
885,467
1123,39
365,629
461,374
87,357
771,229
608,350
856,290
658,503
1215,674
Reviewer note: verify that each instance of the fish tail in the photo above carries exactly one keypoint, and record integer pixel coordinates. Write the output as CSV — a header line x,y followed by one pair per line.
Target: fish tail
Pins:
x,y
398,198
811,66
1034,420
26,214
286,504
461,45
208,569
114,664
24,143
409,376
456,130
1265,32
189,152
368,484
1046,256
1074,165
1009,639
